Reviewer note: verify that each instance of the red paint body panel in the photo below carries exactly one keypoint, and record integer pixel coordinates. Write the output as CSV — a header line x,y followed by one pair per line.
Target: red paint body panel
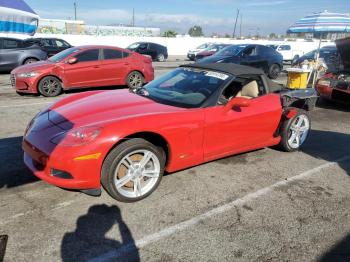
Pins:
x,y
193,136
85,74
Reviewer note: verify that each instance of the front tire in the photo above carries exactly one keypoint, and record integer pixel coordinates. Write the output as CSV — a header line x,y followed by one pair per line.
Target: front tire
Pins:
x,y
295,131
274,71
133,170
50,86
135,80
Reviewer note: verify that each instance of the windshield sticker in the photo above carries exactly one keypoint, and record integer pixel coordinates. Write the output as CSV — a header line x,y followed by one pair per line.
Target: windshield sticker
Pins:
x,y
217,75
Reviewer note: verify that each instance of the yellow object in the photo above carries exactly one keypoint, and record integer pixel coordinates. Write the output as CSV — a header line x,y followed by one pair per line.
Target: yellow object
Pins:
x,y
297,78
87,157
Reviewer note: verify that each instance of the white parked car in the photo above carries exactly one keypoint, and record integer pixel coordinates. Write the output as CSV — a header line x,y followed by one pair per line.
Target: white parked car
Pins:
x,y
193,52
289,52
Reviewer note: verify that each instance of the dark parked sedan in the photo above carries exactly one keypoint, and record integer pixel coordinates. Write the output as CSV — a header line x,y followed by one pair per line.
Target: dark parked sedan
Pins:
x,y
50,45
252,55
16,52
156,51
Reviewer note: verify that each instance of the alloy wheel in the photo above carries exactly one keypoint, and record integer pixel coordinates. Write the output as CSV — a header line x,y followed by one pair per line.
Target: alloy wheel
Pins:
x,y
135,80
51,86
298,131
137,173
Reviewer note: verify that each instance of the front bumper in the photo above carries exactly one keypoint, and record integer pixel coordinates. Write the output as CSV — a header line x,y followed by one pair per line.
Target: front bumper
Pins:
x,y
335,94
24,85
84,174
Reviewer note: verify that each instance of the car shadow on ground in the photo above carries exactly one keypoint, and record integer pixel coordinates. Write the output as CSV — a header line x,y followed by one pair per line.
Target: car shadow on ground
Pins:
x,y
328,104
89,240
339,252
330,146
13,171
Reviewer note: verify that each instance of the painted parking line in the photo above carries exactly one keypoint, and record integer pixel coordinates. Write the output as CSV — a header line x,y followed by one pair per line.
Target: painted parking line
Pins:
x,y
114,254
21,105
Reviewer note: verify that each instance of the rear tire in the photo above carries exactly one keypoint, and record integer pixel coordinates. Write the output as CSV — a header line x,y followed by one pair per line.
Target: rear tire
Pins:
x,y
30,61
274,71
133,170
295,131
50,86
160,58
134,80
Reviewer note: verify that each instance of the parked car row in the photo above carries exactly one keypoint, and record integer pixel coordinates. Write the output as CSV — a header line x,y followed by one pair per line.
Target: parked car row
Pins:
x,y
15,52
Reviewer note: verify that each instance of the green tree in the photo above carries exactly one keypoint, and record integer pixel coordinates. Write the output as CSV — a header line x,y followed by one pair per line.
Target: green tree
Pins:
x,y
272,36
195,31
169,33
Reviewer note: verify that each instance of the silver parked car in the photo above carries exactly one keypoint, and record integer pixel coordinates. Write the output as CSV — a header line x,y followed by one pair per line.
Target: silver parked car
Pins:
x,y
16,52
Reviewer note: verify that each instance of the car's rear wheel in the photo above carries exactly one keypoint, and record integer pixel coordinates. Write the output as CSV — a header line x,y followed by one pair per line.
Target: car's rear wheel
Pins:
x,y
134,80
160,57
274,71
133,170
50,86
295,131
30,61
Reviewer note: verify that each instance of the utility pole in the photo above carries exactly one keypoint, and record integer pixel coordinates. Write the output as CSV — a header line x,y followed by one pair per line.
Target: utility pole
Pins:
x,y
133,17
75,10
234,30
240,27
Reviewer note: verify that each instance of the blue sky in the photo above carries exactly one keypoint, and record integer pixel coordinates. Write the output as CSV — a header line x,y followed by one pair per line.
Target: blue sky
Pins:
x,y
259,16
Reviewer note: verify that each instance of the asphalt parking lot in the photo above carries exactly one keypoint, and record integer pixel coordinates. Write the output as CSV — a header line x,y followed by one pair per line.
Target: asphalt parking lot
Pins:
x,y
264,205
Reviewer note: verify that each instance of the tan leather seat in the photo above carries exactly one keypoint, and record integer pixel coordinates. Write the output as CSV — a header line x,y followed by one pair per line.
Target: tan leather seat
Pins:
x,y
249,90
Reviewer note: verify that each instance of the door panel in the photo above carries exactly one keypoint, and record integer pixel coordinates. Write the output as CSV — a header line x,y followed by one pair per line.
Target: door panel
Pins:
x,y
86,72
241,128
114,67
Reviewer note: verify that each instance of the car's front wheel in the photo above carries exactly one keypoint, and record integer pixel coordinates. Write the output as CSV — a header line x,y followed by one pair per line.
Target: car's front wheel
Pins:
x,y
50,86
134,80
295,131
133,170
274,71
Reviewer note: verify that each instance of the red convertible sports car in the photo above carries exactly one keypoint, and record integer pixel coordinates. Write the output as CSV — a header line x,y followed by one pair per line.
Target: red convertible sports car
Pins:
x,y
83,66
125,140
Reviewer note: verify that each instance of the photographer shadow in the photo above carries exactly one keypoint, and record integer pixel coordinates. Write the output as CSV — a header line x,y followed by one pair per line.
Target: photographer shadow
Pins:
x,y
89,240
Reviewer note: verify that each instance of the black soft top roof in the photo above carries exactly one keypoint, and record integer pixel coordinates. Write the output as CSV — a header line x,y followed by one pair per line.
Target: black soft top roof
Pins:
x,y
233,69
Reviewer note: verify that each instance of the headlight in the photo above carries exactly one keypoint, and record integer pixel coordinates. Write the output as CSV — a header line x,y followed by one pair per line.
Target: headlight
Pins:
x,y
324,82
77,137
29,74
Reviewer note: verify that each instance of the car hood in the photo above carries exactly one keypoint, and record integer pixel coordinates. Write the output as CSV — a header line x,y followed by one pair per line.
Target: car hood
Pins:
x,y
37,66
93,108
343,46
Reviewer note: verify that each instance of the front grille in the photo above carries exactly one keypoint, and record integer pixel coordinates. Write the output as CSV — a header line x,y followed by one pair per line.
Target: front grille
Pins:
x,y
13,80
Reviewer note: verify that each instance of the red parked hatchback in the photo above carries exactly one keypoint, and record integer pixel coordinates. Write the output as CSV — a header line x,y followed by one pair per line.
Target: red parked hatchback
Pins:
x,y
81,67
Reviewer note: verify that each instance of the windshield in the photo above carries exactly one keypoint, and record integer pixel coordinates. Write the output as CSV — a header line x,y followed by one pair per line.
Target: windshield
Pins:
x,y
62,55
273,46
184,87
231,50
203,46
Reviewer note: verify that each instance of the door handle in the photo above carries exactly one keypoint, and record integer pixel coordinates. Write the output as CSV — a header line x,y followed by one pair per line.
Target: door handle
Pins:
x,y
126,64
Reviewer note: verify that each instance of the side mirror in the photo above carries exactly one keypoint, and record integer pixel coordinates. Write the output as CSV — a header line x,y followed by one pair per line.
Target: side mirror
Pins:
x,y
72,60
237,102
